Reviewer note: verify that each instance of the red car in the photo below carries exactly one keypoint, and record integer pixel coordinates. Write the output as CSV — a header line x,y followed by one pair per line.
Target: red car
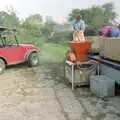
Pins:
x,y
11,52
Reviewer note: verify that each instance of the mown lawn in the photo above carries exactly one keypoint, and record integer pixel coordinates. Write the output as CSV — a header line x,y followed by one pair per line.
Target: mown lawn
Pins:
x,y
52,53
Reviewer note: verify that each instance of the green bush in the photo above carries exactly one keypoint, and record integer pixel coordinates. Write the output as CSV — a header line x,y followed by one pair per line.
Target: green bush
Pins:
x,y
90,31
24,37
61,38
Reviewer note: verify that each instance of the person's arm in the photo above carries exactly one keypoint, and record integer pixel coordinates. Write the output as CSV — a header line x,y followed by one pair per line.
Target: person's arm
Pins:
x,y
83,26
76,26
73,25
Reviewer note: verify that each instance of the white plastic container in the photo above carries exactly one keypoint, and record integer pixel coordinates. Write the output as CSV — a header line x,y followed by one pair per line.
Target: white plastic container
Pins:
x,y
102,86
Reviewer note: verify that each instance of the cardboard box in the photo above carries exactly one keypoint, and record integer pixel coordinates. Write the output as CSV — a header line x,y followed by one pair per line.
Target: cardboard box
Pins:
x,y
110,48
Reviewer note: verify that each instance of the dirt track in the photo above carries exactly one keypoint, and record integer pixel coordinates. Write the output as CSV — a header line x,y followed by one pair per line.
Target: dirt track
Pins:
x,y
41,93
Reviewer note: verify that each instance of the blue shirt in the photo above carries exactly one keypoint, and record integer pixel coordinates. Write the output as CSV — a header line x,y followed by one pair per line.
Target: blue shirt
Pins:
x,y
79,25
115,32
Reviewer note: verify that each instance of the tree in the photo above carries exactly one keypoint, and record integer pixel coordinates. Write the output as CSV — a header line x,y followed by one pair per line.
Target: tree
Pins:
x,y
32,24
73,14
109,12
2,17
49,27
9,18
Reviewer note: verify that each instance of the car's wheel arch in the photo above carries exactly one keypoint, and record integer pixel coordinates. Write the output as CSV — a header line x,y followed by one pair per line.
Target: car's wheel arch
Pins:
x,y
5,61
30,52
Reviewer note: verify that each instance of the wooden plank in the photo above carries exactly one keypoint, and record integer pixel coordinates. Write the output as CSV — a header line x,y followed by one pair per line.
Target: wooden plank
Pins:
x,y
110,48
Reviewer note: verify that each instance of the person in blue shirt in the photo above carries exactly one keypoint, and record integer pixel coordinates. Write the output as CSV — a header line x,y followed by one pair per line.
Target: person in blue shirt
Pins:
x,y
78,24
79,28
115,31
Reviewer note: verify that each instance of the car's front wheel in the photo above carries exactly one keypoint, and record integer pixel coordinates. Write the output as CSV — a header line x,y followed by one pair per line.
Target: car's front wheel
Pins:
x,y
33,60
2,66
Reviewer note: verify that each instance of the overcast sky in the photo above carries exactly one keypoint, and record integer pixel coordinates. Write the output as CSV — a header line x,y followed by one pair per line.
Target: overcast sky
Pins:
x,y
58,9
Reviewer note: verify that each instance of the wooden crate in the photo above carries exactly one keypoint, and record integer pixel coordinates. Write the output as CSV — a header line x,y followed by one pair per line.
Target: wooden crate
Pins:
x,y
110,48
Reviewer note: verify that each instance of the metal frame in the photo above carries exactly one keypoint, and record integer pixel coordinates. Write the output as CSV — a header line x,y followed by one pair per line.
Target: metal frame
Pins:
x,y
3,29
108,68
73,68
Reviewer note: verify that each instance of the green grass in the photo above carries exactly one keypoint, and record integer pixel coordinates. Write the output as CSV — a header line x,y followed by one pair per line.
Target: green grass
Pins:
x,y
52,53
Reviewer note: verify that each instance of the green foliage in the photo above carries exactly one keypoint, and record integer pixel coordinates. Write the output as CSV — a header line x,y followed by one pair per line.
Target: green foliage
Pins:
x,y
48,27
32,24
61,38
24,37
97,21
90,31
74,13
9,18
109,12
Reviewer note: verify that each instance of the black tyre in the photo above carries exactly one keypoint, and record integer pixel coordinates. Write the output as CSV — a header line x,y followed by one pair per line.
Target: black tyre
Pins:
x,y
2,66
33,60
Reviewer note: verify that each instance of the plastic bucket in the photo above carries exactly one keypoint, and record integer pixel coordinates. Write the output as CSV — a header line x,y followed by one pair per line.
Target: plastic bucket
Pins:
x,y
80,49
